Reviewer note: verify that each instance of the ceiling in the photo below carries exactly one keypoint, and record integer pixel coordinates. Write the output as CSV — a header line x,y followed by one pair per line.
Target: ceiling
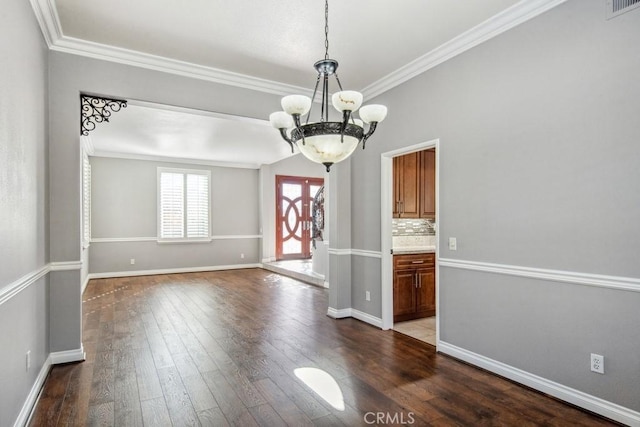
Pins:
x,y
267,45
152,132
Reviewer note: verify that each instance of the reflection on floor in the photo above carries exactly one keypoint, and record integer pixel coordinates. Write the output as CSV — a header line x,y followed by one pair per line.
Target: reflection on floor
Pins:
x,y
420,329
300,269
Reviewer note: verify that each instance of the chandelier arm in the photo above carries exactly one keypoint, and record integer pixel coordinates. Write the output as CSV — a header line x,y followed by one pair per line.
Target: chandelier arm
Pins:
x,y
296,121
283,134
338,80
372,129
346,114
324,113
315,91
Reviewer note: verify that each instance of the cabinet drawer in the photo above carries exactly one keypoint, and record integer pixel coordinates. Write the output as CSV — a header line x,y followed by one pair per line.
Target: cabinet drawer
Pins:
x,y
413,261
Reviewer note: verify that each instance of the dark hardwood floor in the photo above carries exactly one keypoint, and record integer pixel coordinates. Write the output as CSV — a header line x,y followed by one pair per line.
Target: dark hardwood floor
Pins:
x,y
223,348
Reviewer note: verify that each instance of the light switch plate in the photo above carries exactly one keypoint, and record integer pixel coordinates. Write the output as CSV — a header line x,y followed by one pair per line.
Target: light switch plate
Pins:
x,y
453,244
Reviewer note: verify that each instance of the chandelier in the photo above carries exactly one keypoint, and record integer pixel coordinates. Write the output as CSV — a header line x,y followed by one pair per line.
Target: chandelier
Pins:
x,y
324,141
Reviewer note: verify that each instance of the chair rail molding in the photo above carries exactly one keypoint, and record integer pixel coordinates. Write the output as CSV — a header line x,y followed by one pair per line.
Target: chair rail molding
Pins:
x,y
586,279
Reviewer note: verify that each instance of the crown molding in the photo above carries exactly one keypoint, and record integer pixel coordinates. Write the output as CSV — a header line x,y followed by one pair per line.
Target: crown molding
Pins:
x,y
492,27
182,68
47,16
49,22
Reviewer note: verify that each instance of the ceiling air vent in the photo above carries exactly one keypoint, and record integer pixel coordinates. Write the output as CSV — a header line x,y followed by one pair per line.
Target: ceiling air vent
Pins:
x,y
618,7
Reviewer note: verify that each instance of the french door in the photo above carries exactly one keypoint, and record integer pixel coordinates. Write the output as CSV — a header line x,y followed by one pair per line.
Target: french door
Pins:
x,y
294,204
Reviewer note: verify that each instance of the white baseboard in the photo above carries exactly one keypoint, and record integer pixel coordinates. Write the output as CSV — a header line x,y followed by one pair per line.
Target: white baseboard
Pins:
x,y
356,314
170,271
76,355
367,318
338,314
32,398
576,397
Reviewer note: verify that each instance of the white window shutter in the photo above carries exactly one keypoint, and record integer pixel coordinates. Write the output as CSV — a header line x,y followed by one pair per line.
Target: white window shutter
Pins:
x,y
183,211
197,205
171,205
86,199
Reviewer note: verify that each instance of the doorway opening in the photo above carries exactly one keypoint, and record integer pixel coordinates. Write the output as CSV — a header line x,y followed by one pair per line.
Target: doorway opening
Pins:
x,y
298,200
425,329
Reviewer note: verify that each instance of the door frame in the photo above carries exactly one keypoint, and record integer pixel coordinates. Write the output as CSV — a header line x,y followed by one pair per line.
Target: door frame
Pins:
x,y
308,182
386,207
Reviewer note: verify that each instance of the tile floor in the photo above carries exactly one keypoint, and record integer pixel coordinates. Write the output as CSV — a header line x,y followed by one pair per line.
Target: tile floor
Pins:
x,y
300,269
420,329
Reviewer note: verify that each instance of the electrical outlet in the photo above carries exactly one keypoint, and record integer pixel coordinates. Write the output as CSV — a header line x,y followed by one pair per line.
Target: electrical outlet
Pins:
x,y
367,295
28,360
453,244
597,363
242,256
133,261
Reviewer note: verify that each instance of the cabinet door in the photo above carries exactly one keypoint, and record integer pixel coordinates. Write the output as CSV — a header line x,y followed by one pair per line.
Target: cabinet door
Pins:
x,y
426,292
409,185
404,298
428,184
397,181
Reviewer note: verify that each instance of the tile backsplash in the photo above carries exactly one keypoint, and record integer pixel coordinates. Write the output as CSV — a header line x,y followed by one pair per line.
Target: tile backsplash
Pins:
x,y
413,227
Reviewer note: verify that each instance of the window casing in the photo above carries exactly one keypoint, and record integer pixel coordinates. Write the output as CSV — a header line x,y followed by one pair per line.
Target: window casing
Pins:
x,y
183,205
86,200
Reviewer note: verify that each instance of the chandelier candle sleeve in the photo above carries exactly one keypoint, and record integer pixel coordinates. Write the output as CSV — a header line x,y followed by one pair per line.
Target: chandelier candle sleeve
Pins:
x,y
296,104
347,100
322,141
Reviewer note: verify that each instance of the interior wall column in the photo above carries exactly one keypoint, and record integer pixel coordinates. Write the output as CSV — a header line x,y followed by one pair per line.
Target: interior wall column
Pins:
x,y
339,225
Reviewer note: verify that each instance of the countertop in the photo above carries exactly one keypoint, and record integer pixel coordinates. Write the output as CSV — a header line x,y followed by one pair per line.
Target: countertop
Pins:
x,y
408,250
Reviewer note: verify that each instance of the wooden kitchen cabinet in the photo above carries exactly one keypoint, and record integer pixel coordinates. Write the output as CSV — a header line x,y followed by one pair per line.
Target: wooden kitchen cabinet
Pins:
x,y
406,186
428,183
414,286
414,185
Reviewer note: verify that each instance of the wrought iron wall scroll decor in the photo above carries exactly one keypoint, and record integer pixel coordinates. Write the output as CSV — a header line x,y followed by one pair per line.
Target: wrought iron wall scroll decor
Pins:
x,y
94,110
317,217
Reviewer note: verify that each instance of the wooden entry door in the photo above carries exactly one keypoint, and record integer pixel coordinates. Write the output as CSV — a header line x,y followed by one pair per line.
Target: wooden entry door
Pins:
x,y
294,199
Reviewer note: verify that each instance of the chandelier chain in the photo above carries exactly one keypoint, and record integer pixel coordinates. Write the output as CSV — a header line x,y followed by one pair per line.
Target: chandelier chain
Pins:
x,y
326,29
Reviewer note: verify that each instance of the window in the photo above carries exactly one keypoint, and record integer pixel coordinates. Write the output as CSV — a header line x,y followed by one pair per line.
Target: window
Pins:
x,y
183,204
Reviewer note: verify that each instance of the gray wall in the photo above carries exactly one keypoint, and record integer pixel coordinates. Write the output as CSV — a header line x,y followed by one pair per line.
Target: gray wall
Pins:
x,y
539,160
23,203
124,205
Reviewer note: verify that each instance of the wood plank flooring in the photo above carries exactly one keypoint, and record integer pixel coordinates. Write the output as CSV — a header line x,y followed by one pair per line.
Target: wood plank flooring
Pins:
x,y
222,348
